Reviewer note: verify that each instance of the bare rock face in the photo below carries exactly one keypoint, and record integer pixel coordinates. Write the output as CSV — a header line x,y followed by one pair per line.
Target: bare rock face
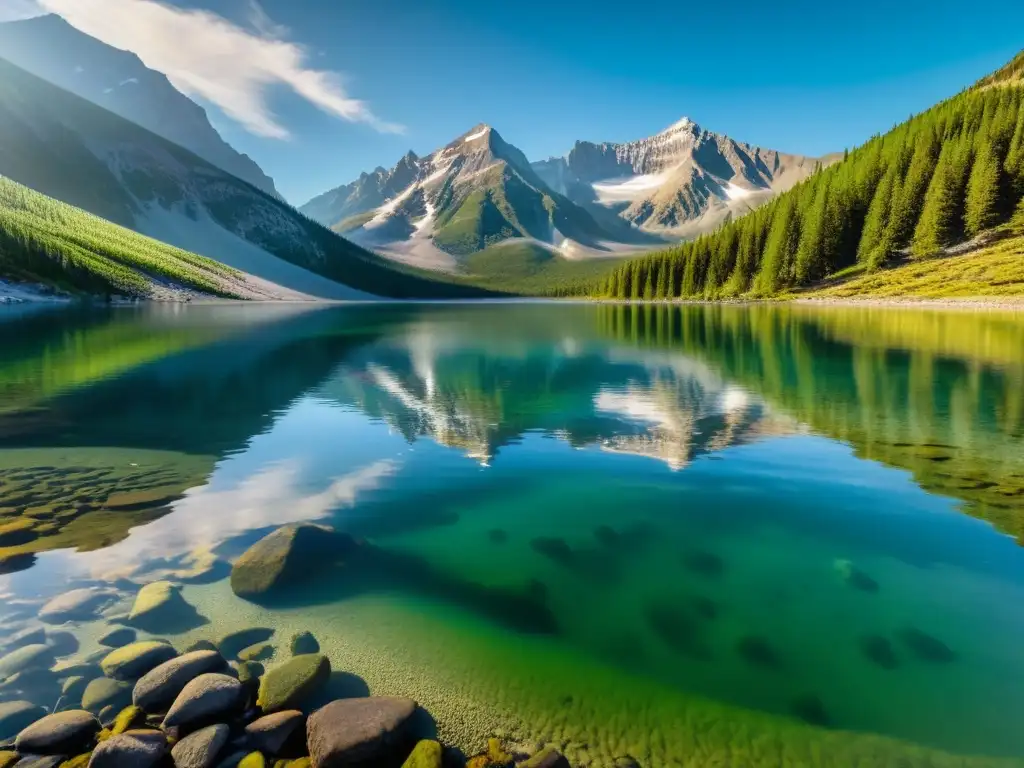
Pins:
x,y
356,731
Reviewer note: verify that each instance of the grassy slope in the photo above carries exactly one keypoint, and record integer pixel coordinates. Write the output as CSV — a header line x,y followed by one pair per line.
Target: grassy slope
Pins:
x,y
45,241
994,271
528,268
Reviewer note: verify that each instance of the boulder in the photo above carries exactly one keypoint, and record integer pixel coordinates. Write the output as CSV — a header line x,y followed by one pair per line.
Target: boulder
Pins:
x,y
426,754
286,685
202,645
103,693
258,652
65,733
118,638
77,605
40,761
160,607
303,643
205,698
15,716
133,661
232,644
138,749
157,689
200,749
271,732
37,656
549,757
285,556
354,731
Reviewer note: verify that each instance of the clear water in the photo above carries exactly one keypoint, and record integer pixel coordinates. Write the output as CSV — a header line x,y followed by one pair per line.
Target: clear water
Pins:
x,y
748,536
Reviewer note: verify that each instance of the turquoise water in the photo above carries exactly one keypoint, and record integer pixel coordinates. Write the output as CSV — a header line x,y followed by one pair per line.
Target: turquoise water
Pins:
x,y
740,535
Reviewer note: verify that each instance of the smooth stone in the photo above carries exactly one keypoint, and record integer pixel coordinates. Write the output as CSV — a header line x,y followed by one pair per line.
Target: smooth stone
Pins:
x,y
16,716
30,636
271,732
549,757
287,555
74,687
201,645
27,657
40,761
258,652
157,689
207,696
65,733
118,638
352,731
104,692
133,661
284,686
138,749
200,749
236,642
426,754
62,643
248,671
159,604
253,760
303,643
76,605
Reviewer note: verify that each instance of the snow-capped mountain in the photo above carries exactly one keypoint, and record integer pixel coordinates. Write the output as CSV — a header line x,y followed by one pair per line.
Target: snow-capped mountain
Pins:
x,y
681,181
475,191
49,47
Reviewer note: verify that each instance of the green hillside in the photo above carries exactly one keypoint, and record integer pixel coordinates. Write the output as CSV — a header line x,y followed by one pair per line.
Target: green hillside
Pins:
x,y
940,178
526,268
49,242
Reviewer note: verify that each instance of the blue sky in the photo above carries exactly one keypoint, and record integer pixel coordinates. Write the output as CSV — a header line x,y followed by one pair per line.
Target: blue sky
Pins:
x,y
809,77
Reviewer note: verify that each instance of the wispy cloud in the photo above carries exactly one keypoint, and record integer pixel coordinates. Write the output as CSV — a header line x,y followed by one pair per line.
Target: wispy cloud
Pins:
x,y
208,56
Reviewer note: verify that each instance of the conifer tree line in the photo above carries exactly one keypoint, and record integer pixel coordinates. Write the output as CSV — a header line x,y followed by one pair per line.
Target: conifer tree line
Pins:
x,y
939,178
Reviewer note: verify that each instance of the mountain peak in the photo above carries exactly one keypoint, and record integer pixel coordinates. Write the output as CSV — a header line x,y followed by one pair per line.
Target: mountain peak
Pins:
x,y
476,133
681,124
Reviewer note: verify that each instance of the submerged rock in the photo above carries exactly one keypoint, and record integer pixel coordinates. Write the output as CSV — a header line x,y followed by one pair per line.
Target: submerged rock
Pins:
x,y
27,657
205,698
703,563
65,733
200,749
40,761
258,652
677,629
811,709
30,636
549,757
426,754
157,689
15,716
285,686
77,605
271,732
759,652
104,693
133,661
159,607
287,555
137,749
879,651
303,643
118,638
552,548
926,647
358,731
234,643
855,577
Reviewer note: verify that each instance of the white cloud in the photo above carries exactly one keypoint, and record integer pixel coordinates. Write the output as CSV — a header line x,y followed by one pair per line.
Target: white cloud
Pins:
x,y
11,10
208,56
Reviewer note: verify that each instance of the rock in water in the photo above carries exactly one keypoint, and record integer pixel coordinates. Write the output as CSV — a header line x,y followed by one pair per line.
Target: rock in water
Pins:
x,y
159,687
159,607
25,658
880,651
426,754
285,686
118,638
549,757
205,698
287,555
200,749
30,636
356,731
926,647
133,661
271,732
40,761
103,692
138,749
855,577
65,733
15,716
304,643
76,605
811,710
232,644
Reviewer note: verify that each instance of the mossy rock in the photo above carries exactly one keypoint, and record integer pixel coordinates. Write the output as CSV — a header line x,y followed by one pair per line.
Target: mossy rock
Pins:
x,y
18,532
426,754
133,661
303,643
258,652
253,760
126,719
234,643
248,671
16,716
81,761
36,656
287,555
8,759
285,686
549,757
118,638
103,693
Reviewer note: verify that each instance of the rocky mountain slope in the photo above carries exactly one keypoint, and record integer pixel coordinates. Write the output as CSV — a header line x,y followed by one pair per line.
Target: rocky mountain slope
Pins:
x,y
474,192
117,80
74,151
679,182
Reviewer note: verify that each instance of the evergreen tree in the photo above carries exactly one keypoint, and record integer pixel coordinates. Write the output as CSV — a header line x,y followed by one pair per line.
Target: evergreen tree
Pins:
x,y
983,191
779,249
936,227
